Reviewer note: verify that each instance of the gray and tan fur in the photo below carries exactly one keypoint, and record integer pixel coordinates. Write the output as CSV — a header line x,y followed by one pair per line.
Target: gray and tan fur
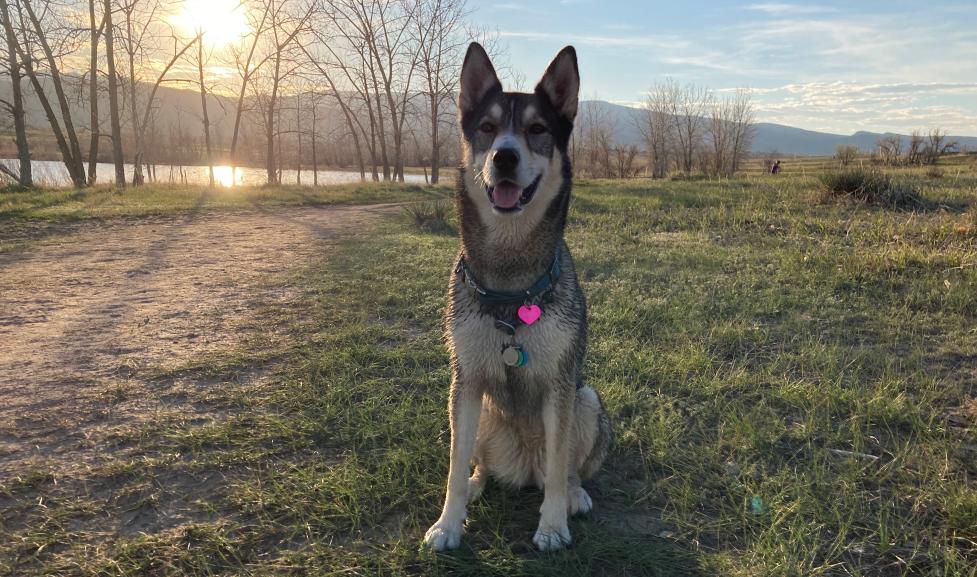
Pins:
x,y
537,424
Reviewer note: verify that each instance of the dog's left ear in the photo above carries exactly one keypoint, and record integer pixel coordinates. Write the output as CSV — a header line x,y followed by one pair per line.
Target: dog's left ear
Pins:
x,y
561,82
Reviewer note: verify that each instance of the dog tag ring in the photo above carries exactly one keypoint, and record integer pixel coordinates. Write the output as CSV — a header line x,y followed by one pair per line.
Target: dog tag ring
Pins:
x,y
514,356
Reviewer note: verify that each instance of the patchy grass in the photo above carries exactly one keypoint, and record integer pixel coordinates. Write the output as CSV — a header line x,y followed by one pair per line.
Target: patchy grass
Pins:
x,y
872,186
61,204
792,387
435,216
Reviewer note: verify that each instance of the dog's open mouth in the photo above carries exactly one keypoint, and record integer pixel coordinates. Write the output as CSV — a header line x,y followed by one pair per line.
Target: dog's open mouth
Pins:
x,y
507,196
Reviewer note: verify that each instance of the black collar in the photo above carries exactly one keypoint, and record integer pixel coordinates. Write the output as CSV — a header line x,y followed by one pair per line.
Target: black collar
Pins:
x,y
487,296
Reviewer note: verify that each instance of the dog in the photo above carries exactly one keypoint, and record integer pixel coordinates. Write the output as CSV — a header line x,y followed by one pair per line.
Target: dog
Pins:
x,y
516,320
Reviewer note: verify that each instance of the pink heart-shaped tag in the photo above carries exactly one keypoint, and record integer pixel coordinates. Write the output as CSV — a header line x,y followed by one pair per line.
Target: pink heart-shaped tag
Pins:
x,y
529,314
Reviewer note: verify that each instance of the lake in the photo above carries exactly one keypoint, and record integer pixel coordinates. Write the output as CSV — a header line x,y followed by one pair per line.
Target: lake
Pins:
x,y
53,173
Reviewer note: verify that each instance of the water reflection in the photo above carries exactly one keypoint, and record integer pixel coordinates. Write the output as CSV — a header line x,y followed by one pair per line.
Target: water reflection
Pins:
x,y
226,177
51,173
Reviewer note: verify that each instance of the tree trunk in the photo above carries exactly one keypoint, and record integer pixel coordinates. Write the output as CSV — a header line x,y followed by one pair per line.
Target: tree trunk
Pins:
x,y
137,160
381,134
120,171
93,96
203,111
435,145
270,161
298,138
315,160
25,175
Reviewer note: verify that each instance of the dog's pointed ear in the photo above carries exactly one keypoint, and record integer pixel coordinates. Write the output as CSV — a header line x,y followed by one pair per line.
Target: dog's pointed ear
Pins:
x,y
561,83
478,78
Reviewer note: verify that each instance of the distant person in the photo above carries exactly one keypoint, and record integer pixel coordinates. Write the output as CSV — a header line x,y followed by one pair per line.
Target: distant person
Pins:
x,y
775,169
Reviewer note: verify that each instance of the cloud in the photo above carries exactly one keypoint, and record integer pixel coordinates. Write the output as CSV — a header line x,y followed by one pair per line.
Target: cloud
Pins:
x,y
644,41
781,8
514,7
845,106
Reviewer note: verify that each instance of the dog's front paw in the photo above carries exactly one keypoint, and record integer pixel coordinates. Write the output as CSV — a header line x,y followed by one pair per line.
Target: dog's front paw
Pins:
x,y
551,538
443,536
578,501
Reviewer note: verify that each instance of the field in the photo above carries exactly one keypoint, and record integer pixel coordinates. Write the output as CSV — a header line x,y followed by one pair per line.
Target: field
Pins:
x,y
793,385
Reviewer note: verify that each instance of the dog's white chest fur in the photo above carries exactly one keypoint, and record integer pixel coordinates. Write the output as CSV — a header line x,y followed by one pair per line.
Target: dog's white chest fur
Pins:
x,y
478,344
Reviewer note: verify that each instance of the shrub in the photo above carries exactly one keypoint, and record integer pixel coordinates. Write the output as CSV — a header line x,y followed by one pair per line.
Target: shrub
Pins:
x,y
871,186
431,216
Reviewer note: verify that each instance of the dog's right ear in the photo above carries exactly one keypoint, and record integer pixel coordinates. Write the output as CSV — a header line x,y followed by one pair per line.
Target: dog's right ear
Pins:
x,y
478,78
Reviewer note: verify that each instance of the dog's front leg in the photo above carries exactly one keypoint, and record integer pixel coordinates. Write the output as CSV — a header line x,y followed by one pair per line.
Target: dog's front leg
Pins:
x,y
464,407
553,532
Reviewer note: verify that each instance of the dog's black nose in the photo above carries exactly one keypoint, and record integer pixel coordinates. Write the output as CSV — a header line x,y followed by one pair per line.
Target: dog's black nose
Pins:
x,y
506,159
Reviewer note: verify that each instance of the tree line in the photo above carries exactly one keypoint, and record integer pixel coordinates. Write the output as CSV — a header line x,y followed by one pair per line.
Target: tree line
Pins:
x,y
367,84
371,79
685,128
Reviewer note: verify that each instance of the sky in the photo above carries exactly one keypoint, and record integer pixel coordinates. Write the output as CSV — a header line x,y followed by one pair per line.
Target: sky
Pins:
x,y
834,67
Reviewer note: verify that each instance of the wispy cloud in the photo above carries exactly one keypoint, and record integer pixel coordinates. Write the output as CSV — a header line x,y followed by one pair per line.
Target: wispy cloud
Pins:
x,y
644,41
783,9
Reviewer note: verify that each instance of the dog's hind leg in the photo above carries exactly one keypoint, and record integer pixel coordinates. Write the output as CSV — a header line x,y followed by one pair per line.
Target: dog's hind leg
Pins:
x,y
591,438
591,433
477,481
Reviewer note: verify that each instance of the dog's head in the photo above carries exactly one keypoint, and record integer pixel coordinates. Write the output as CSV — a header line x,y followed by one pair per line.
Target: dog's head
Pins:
x,y
515,144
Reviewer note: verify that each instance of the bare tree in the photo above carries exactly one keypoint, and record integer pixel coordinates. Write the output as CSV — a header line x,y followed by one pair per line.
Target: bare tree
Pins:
x,y
246,69
729,129
16,105
35,36
890,149
162,77
437,25
286,21
594,130
846,153
688,105
914,154
655,127
936,146
718,129
743,124
624,161
135,39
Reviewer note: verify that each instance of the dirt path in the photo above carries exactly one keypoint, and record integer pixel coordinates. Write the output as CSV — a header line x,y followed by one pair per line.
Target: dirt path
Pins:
x,y
111,303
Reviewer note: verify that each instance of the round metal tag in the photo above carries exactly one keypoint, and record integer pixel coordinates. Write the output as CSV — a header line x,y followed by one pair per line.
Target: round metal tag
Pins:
x,y
514,356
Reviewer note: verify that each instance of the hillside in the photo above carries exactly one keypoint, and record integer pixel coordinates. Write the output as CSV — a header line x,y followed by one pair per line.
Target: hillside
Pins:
x,y
769,136
179,108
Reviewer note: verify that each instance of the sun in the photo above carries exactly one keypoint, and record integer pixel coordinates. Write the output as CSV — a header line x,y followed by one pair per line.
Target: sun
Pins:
x,y
221,21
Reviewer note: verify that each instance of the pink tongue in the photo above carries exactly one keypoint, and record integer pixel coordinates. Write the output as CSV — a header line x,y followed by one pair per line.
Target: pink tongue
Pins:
x,y
506,194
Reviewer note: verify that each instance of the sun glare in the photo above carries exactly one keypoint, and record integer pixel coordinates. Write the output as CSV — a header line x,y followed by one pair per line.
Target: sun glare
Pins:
x,y
226,177
222,21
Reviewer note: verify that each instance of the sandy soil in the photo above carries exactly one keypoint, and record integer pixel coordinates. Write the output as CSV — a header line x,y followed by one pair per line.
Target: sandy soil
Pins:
x,y
108,305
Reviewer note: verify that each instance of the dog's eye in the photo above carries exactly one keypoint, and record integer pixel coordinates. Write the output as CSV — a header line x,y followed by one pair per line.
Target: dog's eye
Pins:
x,y
487,127
537,128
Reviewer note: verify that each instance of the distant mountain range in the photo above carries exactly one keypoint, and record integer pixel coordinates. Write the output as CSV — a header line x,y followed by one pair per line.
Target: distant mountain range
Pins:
x,y
773,137
180,106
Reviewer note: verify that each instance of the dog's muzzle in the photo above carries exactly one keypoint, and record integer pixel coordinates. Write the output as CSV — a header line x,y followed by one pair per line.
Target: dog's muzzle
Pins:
x,y
507,196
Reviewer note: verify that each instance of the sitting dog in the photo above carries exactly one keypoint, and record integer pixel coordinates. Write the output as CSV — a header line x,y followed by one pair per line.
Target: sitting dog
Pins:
x,y
516,321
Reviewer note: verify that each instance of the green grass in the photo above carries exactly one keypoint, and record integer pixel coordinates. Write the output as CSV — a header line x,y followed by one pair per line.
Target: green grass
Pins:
x,y
64,204
792,385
